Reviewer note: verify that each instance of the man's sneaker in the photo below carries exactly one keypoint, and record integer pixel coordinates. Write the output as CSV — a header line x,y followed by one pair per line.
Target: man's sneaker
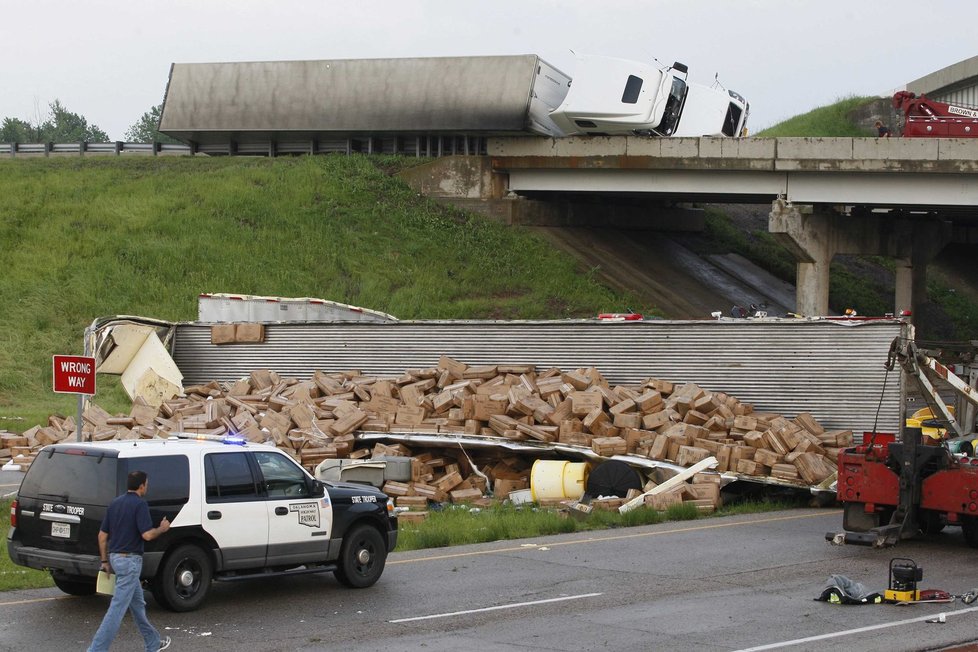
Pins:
x,y
164,643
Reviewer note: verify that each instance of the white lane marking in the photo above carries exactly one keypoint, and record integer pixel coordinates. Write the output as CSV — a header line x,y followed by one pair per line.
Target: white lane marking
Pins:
x,y
31,601
850,632
496,608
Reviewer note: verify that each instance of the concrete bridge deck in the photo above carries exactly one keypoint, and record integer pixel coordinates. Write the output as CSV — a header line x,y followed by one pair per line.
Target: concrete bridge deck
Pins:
x,y
876,172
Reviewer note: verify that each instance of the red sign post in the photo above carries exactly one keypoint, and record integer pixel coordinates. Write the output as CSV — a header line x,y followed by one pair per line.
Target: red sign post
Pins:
x,y
74,374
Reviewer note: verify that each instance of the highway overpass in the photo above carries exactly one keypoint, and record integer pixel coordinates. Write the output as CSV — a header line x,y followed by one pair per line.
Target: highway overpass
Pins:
x,y
901,198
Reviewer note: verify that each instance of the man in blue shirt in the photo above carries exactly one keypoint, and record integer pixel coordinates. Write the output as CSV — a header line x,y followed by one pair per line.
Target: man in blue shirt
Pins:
x,y
126,526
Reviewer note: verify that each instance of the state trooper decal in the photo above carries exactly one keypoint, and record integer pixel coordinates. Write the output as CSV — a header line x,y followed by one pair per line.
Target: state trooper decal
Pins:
x,y
308,513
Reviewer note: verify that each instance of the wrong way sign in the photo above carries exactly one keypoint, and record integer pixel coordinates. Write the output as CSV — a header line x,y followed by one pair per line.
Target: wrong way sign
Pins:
x,y
74,374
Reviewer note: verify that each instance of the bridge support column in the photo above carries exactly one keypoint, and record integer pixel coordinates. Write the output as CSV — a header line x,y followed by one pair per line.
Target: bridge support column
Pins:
x,y
904,282
815,234
928,238
807,235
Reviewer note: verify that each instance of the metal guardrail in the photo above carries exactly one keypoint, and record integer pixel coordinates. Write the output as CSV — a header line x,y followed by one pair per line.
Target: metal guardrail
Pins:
x,y
116,148
421,146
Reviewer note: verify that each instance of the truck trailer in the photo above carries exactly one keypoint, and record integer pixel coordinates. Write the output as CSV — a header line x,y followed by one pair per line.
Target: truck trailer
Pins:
x,y
302,100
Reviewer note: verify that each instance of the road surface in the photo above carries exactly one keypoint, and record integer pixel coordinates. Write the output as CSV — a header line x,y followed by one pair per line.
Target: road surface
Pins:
x,y
733,583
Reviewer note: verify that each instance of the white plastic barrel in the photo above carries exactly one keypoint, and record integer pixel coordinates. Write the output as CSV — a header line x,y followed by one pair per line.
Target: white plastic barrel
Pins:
x,y
558,479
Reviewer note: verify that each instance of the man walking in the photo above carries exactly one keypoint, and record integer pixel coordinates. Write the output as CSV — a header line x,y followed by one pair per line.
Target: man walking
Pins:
x,y
126,526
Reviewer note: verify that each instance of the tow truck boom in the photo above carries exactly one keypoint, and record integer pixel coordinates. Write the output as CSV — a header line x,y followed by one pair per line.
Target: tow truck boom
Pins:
x,y
926,117
893,490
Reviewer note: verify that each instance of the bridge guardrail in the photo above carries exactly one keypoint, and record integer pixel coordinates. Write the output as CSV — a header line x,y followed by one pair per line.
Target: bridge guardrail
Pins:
x,y
406,145
116,148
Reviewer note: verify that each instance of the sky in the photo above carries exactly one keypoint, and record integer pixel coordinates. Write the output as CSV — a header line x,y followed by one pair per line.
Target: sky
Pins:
x,y
109,60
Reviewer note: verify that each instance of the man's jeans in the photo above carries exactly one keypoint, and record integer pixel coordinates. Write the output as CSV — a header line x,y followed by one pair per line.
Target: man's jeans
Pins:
x,y
128,595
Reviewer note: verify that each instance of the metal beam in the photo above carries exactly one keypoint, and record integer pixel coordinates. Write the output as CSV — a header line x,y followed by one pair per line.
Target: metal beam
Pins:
x,y
868,189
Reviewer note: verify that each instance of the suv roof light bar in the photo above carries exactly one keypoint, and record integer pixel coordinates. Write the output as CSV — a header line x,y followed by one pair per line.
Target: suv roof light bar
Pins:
x,y
231,440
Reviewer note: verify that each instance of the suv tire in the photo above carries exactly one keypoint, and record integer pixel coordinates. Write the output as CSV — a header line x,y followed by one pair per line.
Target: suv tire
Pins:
x,y
184,579
74,585
362,557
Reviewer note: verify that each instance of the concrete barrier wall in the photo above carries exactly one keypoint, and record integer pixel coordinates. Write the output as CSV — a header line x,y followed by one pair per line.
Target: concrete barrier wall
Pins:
x,y
937,155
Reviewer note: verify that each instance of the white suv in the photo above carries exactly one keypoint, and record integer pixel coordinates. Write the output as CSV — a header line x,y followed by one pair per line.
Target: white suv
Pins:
x,y
238,511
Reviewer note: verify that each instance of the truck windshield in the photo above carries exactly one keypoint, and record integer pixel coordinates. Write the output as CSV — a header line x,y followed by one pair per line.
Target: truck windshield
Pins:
x,y
674,108
731,120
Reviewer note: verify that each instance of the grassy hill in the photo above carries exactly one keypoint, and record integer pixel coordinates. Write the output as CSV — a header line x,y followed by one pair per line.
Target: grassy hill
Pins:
x,y
833,120
85,238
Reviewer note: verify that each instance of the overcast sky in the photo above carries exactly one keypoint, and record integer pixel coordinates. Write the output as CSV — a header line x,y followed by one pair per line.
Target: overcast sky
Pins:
x,y
109,59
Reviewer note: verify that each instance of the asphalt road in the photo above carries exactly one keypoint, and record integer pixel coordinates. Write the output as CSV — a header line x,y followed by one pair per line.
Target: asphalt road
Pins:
x,y
731,583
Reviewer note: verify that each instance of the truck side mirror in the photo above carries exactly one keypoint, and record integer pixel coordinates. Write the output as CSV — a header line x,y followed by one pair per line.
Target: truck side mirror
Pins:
x,y
317,489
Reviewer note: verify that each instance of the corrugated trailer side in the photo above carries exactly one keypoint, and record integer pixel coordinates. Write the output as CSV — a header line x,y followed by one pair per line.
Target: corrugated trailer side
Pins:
x,y
833,370
271,100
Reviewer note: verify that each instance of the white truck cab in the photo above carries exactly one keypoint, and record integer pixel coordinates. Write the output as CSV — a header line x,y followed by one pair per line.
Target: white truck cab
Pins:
x,y
618,96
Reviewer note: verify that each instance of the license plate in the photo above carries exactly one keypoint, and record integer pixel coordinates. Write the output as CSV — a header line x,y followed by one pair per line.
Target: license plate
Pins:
x,y
62,530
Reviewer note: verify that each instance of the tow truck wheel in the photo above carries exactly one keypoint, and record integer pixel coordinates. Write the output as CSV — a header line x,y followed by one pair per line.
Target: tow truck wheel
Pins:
x,y
930,522
969,526
184,579
362,557
74,585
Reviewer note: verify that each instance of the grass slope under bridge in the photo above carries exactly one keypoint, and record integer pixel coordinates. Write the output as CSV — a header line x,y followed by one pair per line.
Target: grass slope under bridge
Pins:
x,y
89,237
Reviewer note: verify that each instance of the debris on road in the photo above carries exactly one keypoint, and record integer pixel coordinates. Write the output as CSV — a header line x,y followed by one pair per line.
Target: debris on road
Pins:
x,y
471,431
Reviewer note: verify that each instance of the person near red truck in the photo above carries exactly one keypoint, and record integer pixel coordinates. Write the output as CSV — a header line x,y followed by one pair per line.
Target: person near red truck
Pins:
x,y
126,526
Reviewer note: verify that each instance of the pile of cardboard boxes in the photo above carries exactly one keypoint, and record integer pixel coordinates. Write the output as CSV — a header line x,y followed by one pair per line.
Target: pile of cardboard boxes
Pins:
x,y
326,417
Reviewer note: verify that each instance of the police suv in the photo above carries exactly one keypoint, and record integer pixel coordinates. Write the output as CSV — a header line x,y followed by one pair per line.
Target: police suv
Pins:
x,y
237,511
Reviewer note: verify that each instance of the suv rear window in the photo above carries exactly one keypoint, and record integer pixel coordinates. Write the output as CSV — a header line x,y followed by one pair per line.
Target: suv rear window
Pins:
x,y
73,477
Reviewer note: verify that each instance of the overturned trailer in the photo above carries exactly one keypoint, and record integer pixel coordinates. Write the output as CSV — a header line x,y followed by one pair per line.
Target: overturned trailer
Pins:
x,y
828,368
377,105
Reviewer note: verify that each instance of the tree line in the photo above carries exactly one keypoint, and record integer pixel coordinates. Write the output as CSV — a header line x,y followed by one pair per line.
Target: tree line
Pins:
x,y
63,126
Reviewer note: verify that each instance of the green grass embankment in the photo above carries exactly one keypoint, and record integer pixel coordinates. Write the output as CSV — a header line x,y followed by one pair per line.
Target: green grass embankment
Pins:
x,y
85,238
822,122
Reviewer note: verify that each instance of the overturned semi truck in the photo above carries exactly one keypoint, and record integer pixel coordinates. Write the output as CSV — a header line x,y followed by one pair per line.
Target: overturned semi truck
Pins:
x,y
399,105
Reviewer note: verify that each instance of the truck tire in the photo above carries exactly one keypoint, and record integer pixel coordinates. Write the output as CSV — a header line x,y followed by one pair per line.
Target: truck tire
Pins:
x,y
74,585
969,526
184,579
362,557
930,522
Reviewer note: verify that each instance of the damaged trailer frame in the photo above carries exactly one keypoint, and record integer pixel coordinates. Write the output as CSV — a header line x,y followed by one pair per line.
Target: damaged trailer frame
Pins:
x,y
827,367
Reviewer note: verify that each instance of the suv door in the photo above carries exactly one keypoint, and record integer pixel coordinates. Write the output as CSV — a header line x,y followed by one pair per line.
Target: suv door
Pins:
x,y
234,511
299,525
